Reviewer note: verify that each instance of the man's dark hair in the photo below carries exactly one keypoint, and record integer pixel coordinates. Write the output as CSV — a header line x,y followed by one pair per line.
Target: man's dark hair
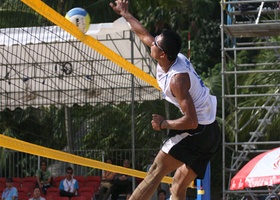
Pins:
x,y
9,180
70,169
171,43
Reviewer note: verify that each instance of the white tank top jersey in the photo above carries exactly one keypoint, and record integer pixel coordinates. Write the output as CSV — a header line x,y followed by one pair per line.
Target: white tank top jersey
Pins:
x,y
205,104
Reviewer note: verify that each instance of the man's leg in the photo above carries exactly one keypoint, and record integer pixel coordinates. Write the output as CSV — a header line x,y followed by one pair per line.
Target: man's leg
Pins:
x,y
107,193
101,192
162,165
181,180
115,192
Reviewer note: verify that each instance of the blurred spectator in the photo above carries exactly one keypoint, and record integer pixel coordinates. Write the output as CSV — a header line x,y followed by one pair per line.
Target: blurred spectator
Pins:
x,y
122,183
10,192
161,195
106,183
37,195
43,177
69,186
272,193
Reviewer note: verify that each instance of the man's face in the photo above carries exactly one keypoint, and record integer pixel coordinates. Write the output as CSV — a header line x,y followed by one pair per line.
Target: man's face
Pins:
x,y
161,196
156,49
69,174
36,193
270,188
126,163
43,166
9,184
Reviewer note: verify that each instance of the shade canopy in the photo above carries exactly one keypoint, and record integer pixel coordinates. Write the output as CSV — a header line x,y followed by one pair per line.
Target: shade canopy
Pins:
x,y
41,66
262,170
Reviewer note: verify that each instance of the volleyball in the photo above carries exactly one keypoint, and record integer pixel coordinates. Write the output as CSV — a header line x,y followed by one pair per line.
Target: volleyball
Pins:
x,y
80,18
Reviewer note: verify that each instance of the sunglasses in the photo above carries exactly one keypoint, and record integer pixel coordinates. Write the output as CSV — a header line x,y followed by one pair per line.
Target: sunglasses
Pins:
x,y
69,172
156,43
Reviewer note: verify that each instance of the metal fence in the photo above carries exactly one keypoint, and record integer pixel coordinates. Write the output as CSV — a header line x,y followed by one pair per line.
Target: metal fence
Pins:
x,y
18,164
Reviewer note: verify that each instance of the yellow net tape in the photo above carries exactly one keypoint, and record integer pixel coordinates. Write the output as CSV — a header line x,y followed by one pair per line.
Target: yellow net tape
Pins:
x,y
61,21
18,145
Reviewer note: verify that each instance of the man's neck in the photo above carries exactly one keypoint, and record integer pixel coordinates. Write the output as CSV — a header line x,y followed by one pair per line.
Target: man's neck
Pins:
x,y
166,65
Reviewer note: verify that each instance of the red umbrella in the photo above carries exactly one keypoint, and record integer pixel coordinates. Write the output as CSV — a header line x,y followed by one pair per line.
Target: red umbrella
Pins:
x,y
262,170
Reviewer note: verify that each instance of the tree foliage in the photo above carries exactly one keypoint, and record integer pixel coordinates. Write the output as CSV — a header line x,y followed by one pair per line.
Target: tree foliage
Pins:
x,y
266,78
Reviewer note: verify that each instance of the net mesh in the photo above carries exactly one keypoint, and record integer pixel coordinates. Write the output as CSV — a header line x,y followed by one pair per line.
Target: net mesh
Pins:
x,y
44,65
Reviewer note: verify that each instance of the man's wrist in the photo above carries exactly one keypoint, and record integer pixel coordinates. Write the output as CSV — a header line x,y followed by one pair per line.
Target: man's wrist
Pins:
x,y
126,15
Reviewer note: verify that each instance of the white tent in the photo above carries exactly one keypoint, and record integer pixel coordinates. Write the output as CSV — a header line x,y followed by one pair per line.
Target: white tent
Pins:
x,y
46,65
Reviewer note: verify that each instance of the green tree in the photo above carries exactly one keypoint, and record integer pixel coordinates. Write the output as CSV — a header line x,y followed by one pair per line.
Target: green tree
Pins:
x,y
10,10
267,78
35,125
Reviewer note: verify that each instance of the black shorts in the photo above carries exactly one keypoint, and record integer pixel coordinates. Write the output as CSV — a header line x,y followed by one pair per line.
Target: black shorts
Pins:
x,y
195,147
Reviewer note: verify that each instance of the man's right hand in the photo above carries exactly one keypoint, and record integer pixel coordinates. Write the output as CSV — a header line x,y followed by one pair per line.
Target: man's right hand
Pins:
x,y
120,7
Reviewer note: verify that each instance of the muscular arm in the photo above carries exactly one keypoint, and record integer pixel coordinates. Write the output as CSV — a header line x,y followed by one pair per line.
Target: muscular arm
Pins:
x,y
121,8
179,85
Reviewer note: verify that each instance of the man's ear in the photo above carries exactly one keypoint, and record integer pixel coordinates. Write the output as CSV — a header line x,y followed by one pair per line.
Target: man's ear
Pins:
x,y
163,55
